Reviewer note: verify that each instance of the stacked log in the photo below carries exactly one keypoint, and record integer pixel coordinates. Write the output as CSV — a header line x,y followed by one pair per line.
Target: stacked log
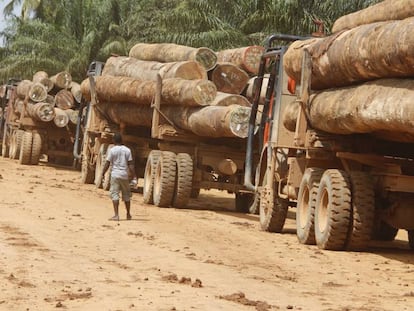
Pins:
x,y
229,78
343,63
44,99
246,58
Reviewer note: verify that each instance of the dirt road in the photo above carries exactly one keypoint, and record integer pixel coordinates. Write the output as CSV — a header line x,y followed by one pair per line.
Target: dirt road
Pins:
x,y
58,250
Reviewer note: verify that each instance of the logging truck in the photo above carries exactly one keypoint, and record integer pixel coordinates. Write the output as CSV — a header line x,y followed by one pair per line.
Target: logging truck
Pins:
x,y
173,163
346,189
28,131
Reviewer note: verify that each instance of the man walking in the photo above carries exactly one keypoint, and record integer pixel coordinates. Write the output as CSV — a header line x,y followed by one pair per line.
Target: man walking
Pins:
x,y
120,158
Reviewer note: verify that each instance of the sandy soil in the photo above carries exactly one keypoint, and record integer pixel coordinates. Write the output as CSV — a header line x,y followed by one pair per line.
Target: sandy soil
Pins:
x,y
58,250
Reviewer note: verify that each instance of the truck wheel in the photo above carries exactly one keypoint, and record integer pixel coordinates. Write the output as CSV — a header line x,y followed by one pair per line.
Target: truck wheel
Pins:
x,y
26,149
149,175
254,206
333,210
243,201
100,162
363,211
273,210
305,210
184,180
106,184
5,144
383,231
15,144
36,148
164,180
411,239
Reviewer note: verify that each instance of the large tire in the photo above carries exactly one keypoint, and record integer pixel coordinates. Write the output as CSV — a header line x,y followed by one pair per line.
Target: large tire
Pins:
x,y
149,175
15,144
184,181
333,210
273,210
164,181
411,239
383,231
363,211
26,149
36,149
305,210
100,162
243,201
5,144
106,184
195,192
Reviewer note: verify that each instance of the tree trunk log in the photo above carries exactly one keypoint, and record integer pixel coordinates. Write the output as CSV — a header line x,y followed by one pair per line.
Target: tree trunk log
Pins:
x,y
43,78
383,107
148,70
41,111
61,118
209,121
229,78
247,58
379,50
64,99
384,11
174,91
169,52
75,89
23,88
37,92
225,99
62,80
250,87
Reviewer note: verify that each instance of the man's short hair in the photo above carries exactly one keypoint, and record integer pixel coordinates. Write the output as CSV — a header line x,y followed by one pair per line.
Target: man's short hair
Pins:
x,y
117,138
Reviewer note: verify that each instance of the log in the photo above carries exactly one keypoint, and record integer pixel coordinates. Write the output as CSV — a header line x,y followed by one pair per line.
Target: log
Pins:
x,y
384,11
368,52
23,88
174,91
380,107
43,78
41,111
64,99
229,78
61,118
148,70
62,80
208,121
75,89
73,115
250,87
225,99
37,92
170,52
247,58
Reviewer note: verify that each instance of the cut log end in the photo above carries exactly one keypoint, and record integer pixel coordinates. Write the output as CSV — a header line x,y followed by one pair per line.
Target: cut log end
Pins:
x,y
206,57
37,92
204,93
239,121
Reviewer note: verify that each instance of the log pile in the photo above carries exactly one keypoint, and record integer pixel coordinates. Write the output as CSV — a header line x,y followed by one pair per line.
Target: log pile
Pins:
x,y
363,74
199,95
46,99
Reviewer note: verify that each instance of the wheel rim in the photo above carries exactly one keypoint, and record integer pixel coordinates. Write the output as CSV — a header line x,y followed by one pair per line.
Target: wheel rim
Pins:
x,y
304,208
323,211
157,183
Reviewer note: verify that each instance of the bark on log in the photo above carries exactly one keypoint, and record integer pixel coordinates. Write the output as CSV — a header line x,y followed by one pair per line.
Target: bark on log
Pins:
x,y
170,52
148,70
225,99
75,89
23,88
61,118
62,80
41,111
229,78
64,99
384,11
43,78
174,91
209,121
368,52
247,58
383,107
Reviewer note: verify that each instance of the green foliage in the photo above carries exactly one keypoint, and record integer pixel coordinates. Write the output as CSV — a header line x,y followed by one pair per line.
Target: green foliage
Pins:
x,y
55,35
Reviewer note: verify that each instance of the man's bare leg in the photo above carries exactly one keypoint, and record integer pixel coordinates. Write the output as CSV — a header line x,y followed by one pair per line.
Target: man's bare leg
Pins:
x,y
128,209
116,208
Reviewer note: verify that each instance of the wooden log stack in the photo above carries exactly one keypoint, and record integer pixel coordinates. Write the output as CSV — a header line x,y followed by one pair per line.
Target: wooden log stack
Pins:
x,y
363,74
191,99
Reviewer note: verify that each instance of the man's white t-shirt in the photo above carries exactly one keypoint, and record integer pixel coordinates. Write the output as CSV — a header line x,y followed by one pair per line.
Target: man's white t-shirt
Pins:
x,y
119,156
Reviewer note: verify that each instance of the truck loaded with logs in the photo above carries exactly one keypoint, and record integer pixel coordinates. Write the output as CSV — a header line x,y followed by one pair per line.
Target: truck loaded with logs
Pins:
x,y
336,138
180,111
39,118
